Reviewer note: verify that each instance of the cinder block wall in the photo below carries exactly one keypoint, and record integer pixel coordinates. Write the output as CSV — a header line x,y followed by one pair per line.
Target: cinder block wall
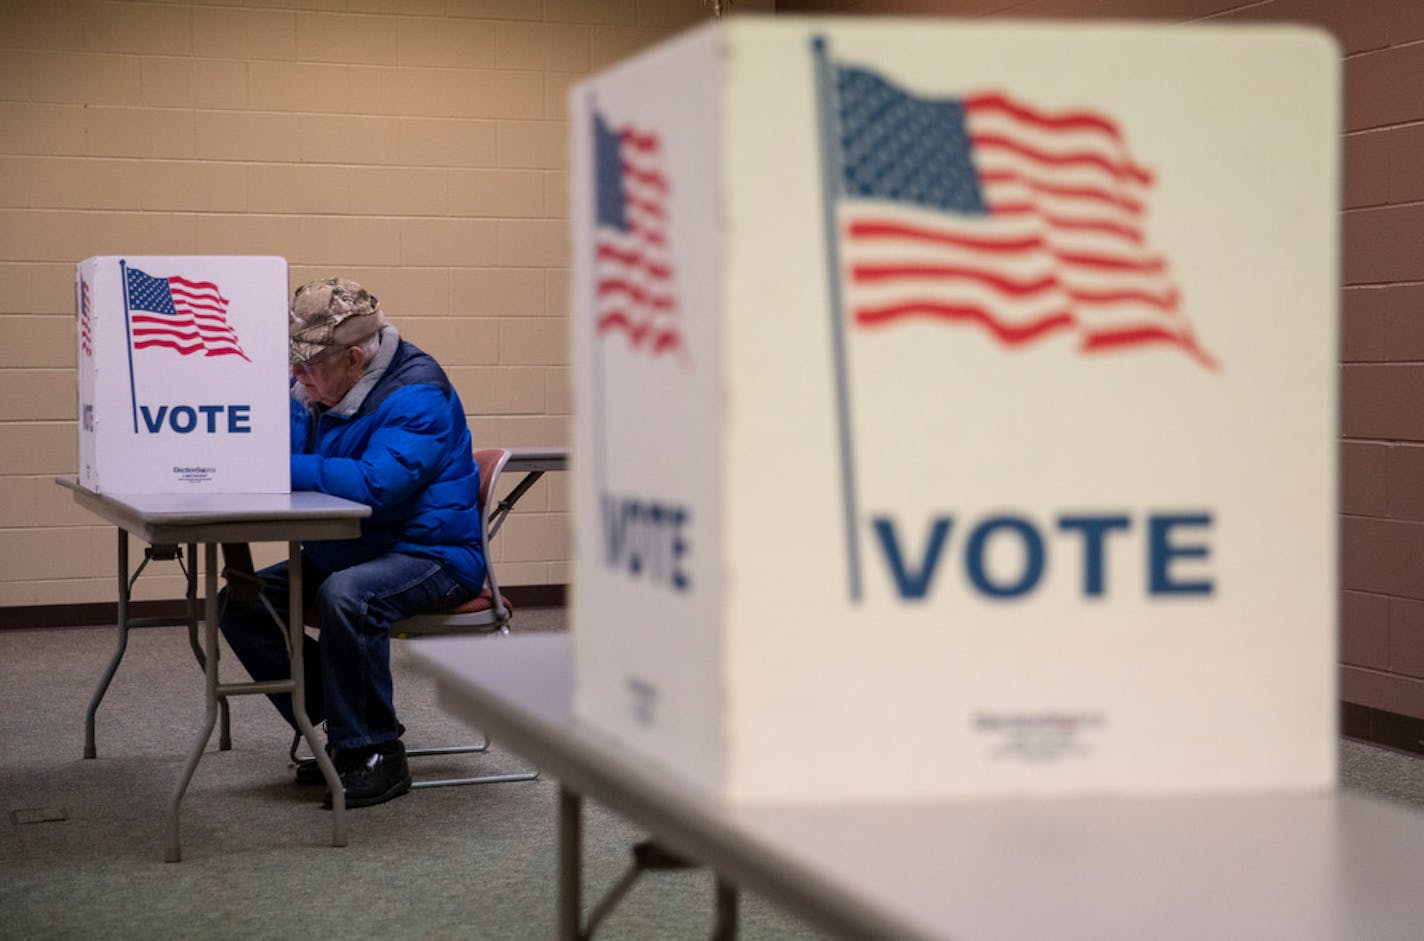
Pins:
x,y
418,146
1382,349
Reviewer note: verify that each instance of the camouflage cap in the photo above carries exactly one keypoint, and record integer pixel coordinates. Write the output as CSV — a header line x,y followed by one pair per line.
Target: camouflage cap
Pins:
x,y
329,313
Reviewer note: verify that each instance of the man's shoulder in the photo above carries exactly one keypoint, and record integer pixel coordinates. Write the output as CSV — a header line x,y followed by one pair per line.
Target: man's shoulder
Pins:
x,y
408,368
412,366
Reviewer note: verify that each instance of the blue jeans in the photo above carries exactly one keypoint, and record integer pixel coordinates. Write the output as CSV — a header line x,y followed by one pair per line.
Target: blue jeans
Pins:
x,y
348,670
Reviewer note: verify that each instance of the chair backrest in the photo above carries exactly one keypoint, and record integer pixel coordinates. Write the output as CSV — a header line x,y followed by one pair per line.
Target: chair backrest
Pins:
x,y
491,463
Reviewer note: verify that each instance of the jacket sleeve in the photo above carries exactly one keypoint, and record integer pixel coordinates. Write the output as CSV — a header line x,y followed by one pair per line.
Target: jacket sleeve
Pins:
x,y
301,426
405,452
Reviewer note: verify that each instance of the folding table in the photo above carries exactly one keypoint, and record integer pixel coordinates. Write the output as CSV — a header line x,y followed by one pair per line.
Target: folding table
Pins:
x,y
1330,865
213,519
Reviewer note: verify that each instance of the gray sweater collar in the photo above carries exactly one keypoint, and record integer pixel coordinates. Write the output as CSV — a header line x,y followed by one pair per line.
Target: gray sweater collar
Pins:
x,y
351,402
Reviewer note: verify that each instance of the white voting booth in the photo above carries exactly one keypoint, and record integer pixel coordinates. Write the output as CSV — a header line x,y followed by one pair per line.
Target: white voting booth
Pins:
x,y
183,374
956,407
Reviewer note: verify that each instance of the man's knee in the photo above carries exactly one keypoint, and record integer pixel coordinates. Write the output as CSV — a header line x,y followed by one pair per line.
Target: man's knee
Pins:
x,y
338,599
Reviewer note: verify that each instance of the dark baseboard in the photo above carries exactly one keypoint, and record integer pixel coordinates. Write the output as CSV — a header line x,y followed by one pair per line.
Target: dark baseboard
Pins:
x,y
537,596
94,614
1389,729
29,617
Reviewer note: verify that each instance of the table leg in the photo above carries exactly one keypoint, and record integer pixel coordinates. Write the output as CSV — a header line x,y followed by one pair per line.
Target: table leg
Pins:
x,y
570,863
172,850
191,599
507,504
725,928
296,636
89,750
224,717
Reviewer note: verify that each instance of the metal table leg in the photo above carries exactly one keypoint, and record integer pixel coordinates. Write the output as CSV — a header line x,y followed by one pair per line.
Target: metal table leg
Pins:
x,y
127,623
725,928
295,642
651,856
191,597
217,692
570,863
507,504
172,850
98,697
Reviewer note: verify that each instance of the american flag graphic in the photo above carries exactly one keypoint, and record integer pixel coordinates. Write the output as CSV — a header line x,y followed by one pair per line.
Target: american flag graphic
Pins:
x,y
988,211
634,287
86,319
178,314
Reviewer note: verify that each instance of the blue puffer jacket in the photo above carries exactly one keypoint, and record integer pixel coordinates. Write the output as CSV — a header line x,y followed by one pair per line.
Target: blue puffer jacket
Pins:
x,y
398,443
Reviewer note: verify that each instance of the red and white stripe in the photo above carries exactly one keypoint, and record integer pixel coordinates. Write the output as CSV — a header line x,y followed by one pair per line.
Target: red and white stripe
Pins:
x,y
1063,249
200,325
633,269
86,319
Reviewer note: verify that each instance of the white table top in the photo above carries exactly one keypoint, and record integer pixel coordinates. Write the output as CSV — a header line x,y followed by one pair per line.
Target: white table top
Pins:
x,y
1299,866
230,517
538,459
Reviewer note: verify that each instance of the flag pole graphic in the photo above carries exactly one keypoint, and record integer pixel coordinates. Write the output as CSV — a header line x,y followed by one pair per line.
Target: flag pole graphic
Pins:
x,y
128,332
600,427
831,187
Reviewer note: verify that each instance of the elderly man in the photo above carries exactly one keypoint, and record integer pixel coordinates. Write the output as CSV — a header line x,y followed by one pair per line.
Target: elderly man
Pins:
x,y
374,419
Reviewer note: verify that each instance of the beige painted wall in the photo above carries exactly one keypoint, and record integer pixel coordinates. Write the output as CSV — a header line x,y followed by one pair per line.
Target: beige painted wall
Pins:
x,y
418,146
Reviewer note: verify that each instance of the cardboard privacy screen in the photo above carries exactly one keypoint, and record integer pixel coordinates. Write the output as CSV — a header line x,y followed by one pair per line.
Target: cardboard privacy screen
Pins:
x,y
183,374
956,407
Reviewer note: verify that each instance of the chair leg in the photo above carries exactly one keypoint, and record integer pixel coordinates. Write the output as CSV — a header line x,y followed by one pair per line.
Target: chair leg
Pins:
x,y
294,751
449,750
475,779
509,778
479,779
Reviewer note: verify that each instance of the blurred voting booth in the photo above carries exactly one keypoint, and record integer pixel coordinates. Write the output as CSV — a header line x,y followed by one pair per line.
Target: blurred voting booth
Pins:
x,y
183,374
956,407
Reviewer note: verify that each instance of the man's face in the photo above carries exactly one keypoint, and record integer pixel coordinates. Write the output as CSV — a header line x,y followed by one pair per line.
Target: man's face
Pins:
x,y
328,376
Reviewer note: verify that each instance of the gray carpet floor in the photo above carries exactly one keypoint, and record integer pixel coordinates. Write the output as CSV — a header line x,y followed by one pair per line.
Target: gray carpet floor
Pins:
x,y
462,862
81,841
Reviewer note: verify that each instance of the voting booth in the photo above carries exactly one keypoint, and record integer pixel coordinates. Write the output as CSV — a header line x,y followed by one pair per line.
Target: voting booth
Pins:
x,y
183,374
956,408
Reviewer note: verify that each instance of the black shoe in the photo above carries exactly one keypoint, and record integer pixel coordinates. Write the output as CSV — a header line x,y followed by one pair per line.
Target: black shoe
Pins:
x,y
373,775
309,772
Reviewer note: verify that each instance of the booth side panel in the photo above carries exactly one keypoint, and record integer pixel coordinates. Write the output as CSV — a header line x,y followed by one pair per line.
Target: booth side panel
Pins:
x,y
647,597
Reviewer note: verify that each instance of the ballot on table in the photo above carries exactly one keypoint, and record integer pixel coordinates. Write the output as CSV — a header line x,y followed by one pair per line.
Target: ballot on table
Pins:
x,y
183,374
956,407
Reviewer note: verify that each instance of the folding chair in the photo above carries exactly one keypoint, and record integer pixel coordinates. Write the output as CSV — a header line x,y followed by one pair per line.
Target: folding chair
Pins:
x,y
488,612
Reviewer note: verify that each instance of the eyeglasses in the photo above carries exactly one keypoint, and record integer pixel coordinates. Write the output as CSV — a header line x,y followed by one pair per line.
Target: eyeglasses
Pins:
x,y
307,366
